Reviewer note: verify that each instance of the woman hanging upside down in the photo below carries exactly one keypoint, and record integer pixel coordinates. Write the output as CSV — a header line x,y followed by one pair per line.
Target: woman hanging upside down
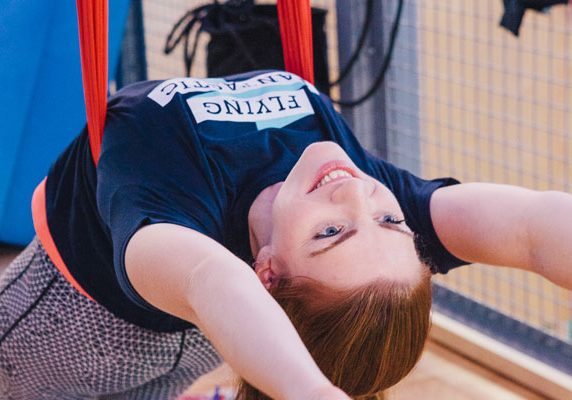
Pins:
x,y
240,219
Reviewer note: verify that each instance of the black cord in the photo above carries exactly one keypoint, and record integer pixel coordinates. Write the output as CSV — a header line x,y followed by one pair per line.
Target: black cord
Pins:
x,y
219,15
386,61
182,29
359,47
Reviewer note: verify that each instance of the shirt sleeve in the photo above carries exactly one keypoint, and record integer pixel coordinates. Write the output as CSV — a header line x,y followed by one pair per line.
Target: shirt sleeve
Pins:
x,y
150,172
414,195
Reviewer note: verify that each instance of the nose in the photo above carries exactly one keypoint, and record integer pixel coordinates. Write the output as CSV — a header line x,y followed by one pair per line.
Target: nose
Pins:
x,y
353,192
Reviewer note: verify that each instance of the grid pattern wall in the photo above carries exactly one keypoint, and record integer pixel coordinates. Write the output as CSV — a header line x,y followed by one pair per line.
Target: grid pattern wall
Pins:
x,y
490,107
464,98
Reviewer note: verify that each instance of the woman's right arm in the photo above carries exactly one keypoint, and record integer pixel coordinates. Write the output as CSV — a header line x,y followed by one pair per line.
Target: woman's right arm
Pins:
x,y
191,276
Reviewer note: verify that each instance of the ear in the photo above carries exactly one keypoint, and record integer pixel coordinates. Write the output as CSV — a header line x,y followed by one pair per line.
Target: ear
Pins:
x,y
265,269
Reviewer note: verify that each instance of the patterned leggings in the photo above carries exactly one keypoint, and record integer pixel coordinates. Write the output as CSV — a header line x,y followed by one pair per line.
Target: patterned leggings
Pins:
x,y
57,344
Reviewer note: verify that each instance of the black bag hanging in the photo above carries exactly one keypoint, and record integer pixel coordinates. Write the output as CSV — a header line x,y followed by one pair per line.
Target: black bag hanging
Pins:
x,y
514,11
244,36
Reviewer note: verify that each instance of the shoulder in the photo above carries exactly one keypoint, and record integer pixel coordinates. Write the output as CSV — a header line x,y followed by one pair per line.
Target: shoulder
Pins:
x,y
133,93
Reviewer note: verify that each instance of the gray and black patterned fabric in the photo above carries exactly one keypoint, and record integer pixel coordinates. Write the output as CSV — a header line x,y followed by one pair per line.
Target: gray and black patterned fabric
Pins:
x,y
57,344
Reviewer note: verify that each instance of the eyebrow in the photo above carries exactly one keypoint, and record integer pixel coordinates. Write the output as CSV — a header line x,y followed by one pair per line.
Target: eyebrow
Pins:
x,y
345,236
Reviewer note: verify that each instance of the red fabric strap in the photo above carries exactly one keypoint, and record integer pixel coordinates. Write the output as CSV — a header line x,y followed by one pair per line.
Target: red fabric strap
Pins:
x,y
295,17
93,26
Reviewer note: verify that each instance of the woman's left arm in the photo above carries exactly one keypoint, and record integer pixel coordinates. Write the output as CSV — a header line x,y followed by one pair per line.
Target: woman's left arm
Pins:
x,y
507,225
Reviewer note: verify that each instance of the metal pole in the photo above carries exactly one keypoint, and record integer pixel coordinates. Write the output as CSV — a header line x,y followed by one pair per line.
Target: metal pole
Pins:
x,y
368,120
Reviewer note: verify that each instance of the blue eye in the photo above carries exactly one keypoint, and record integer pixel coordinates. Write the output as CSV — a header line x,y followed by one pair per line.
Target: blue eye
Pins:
x,y
328,231
391,219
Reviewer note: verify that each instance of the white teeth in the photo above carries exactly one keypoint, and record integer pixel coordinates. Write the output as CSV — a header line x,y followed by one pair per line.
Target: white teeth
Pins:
x,y
333,175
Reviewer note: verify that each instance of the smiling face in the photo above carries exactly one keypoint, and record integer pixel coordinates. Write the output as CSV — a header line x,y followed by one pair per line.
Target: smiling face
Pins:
x,y
333,223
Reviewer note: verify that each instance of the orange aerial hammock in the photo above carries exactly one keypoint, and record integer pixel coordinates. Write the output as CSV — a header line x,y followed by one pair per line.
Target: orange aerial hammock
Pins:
x,y
93,31
295,29
295,18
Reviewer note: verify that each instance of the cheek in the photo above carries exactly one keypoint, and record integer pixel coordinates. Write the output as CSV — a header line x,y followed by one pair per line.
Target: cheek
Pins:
x,y
385,196
289,218
286,217
288,206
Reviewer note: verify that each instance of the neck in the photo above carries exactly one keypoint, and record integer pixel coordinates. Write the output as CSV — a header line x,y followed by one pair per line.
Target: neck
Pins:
x,y
260,218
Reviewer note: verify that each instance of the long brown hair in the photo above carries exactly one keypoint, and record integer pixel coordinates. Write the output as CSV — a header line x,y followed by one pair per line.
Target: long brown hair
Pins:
x,y
364,339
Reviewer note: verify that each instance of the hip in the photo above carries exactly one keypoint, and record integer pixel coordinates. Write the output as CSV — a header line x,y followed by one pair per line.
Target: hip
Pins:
x,y
52,338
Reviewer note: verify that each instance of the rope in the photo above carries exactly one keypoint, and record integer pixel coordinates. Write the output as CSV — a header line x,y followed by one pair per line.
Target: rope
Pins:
x,y
361,41
182,30
93,35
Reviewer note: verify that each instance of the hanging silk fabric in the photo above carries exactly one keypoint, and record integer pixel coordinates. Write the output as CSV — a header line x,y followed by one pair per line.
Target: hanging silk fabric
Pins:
x,y
295,17
93,37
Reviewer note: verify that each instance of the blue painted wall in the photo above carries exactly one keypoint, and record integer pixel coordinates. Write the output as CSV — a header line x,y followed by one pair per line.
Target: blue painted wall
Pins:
x,y
41,98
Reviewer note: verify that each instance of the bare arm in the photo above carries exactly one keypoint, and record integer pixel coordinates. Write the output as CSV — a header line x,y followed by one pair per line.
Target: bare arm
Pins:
x,y
210,287
507,225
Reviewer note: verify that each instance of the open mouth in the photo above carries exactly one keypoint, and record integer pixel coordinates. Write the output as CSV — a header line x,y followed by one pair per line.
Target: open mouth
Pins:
x,y
332,171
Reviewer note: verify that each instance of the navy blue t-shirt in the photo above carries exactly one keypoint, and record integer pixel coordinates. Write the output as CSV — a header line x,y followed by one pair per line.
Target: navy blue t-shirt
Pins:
x,y
196,152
